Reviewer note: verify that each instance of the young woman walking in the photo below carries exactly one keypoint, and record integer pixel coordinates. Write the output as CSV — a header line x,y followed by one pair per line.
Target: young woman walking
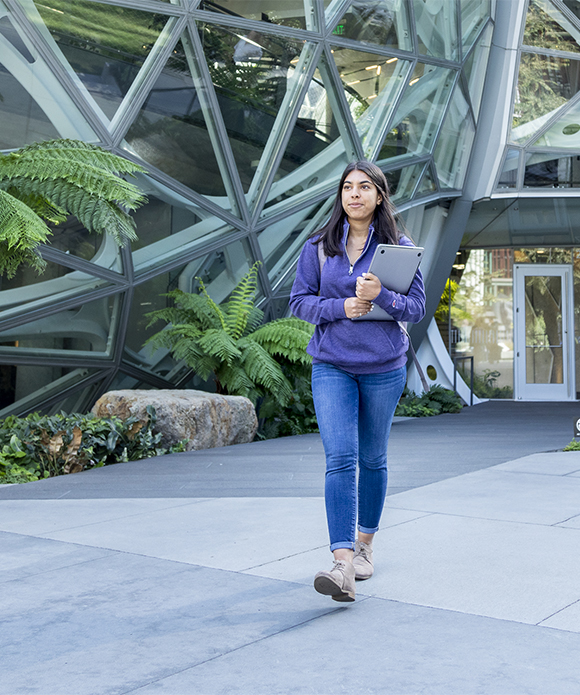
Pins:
x,y
358,371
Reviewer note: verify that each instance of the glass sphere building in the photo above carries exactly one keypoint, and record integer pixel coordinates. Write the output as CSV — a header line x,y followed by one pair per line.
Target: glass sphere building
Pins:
x,y
244,114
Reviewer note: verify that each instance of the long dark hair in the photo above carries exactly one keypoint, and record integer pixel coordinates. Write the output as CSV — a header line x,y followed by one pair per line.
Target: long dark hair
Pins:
x,y
385,226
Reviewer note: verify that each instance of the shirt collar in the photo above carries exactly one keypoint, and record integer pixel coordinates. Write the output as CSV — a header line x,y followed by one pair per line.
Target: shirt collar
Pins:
x,y
346,228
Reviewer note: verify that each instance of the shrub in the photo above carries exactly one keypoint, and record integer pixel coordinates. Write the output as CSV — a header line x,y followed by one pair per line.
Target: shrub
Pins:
x,y
42,446
435,401
573,446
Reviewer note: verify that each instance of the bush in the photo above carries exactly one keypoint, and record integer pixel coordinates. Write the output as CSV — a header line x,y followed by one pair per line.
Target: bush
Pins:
x,y
43,446
434,402
573,446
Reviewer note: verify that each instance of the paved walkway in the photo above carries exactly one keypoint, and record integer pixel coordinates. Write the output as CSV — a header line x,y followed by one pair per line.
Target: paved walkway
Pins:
x,y
192,573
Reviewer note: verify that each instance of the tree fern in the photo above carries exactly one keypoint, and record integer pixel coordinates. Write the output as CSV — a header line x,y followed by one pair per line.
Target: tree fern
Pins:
x,y
228,341
57,178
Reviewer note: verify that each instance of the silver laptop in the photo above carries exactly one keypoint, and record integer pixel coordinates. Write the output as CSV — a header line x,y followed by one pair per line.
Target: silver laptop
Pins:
x,y
395,266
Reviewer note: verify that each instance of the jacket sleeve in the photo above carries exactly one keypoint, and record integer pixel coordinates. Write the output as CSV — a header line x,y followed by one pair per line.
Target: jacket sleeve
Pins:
x,y
305,301
409,307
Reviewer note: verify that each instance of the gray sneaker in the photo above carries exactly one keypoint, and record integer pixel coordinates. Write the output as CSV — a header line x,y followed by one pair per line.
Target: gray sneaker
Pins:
x,y
338,583
363,560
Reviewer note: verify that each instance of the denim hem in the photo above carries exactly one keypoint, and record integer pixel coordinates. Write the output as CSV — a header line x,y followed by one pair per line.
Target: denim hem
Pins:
x,y
362,529
341,544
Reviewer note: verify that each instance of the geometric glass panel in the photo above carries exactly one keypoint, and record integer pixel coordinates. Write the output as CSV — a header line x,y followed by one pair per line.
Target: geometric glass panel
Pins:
x,y
402,182
564,133
436,24
23,121
286,13
427,184
473,15
454,144
105,45
546,170
250,80
475,68
171,134
545,85
509,174
382,22
365,75
546,27
420,112
314,130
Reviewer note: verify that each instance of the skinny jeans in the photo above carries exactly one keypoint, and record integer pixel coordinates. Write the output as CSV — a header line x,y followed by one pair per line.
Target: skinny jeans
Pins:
x,y
355,413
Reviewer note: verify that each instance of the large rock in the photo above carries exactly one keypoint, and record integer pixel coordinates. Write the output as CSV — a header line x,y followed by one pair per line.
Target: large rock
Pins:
x,y
206,420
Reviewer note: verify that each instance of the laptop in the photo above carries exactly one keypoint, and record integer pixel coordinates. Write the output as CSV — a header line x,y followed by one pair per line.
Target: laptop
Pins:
x,y
395,266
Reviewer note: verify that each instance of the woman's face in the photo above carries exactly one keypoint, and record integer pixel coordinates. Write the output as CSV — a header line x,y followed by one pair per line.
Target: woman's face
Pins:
x,y
360,197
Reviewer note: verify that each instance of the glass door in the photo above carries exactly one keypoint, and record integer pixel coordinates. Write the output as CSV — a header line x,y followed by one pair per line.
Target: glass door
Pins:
x,y
543,333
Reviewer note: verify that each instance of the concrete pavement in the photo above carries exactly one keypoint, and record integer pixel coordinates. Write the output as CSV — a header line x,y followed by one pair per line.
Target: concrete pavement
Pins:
x,y
192,573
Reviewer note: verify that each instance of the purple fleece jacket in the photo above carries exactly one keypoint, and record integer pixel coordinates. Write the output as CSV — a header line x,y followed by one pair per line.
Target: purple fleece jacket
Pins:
x,y
358,347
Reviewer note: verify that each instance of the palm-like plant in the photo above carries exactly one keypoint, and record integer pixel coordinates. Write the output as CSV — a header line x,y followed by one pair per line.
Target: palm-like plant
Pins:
x,y
52,180
229,342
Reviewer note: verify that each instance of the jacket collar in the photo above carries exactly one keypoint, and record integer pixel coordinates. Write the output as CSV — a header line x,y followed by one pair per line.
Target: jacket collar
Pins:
x,y
346,229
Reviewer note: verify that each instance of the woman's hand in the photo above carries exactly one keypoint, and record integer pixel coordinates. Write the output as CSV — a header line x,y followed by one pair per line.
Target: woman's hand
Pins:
x,y
355,307
368,287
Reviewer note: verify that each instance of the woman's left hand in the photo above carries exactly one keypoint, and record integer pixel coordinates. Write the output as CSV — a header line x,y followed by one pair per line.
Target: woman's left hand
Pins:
x,y
368,286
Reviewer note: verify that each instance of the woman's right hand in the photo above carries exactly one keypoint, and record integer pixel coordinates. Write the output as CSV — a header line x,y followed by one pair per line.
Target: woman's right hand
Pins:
x,y
355,307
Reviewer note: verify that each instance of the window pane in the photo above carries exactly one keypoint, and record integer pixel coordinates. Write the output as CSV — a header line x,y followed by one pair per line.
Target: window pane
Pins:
x,y
454,144
565,133
105,45
384,22
546,27
475,68
545,85
543,170
437,28
251,78
543,328
23,121
289,13
427,184
402,182
509,175
171,134
420,113
473,15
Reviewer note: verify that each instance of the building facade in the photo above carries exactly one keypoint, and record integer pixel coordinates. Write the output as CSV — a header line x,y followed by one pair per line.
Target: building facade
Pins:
x,y
244,113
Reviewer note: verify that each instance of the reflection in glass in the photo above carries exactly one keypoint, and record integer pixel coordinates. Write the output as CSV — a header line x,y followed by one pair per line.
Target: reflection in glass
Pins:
x,y
475,68
105,45
436,22
543,328
420,112
251,75
427,184
454,144
289,13
23,121
543,170
546,27
509,173
383,22
481,322
565,133
545,85
365,76
402,182
171,134
473,15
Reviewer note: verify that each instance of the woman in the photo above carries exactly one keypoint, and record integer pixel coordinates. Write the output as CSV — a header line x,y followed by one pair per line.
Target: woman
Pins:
x,y
358,371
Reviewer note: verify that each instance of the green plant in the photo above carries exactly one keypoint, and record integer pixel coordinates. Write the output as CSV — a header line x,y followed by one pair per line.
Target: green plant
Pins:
x,y
442,311
42,446
484,385
433,402
573,446
52,180
228,343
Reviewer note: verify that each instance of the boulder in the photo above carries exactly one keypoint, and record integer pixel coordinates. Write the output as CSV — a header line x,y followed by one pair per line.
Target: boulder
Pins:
x,y
206,420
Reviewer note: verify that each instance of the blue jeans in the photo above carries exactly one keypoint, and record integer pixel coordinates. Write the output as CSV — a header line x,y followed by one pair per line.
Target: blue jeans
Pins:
x,y
355,413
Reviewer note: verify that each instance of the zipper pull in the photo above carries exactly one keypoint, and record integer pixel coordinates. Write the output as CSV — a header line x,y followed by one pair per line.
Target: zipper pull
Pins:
x,y
350,269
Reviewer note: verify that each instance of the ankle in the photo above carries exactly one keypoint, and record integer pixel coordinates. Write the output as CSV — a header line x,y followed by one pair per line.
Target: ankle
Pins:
x,y
343,554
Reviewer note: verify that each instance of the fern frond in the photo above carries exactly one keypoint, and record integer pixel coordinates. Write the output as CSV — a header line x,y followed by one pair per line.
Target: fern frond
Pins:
x,y
236,382
255,318
287,337
214,307
241,302
263,369
40,205
62,152
217,343
197,307
21,232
